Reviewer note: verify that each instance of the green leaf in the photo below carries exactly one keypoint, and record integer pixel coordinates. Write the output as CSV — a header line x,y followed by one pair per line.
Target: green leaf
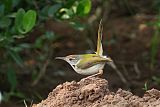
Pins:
x,y
70,3
18,20
2,10
15,93
49,35
16,57
145,86
29,20
39,42
12,79
154,47
66,13
21,47
84,7
156,80
44,11
15,2
53,9
78,25
8,5
18,94
5,22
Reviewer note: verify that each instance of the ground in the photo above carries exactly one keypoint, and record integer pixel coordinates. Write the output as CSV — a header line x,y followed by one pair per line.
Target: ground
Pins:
x,y
94,92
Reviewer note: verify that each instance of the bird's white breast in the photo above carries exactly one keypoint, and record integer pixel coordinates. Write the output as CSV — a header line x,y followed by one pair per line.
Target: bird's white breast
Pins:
x,y
91,70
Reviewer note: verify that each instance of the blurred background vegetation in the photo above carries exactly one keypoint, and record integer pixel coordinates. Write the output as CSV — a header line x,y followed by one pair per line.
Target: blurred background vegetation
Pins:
x,y
32,33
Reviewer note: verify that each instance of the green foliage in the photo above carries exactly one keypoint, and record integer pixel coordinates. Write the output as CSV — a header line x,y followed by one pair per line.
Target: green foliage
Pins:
x,y
73,8
78,25
53,9
156,5
156,79
13,25
16,57
29,20
12,79
84,7
145,88
154,47
24,22
48,36
8,95
5,22
16,23
155,41
18,20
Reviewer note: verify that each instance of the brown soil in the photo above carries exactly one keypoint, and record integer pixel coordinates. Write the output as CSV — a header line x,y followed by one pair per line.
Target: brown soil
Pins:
x,y
94,92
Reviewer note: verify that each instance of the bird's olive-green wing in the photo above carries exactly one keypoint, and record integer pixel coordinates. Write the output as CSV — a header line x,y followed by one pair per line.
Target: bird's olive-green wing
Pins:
x,y
99,40
87,62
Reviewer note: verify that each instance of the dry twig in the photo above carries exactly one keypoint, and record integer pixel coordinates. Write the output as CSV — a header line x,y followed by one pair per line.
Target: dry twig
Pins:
x,y
135,65
125,71
42,72
118,72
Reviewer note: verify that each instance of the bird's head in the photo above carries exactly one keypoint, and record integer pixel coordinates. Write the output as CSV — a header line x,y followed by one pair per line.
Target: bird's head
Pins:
x,y
71,59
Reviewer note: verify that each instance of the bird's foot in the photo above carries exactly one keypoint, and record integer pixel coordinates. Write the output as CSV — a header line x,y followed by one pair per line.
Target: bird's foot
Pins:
x,y
95,75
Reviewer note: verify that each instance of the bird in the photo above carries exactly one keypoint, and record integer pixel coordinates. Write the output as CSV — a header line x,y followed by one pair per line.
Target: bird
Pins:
x,y
89,64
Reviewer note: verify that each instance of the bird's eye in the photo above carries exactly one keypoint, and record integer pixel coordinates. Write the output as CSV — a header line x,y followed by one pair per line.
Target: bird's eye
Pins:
x,y
71,59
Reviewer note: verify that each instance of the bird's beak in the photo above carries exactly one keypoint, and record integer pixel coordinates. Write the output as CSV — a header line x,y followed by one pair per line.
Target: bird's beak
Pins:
x,y
109,59
62,58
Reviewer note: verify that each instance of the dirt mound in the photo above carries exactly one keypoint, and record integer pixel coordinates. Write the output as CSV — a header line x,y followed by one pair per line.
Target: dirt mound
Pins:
x,y
94,92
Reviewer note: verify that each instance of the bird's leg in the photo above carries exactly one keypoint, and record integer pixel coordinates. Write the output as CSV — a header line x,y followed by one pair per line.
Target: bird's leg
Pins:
x,y
100,72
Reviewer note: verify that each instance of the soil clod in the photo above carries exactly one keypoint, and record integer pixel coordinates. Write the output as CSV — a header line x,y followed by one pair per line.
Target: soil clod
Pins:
x,y
94,92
